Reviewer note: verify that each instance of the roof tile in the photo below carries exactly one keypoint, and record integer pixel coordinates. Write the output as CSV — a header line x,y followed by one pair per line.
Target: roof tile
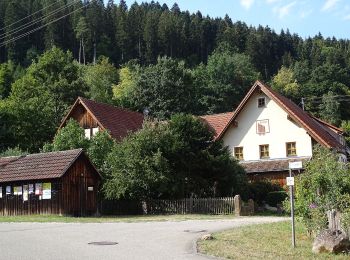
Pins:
x,y
276,165
37,166
118,121
217,122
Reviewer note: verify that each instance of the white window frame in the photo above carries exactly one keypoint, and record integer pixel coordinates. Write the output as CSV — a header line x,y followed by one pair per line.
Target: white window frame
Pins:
x,y
87,133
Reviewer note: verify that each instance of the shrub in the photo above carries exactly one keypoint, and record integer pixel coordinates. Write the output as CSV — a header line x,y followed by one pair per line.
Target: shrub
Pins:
x,y
276,197
324,186
258,190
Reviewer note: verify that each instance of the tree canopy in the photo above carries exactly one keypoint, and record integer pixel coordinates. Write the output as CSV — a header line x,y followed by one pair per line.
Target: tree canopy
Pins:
x,y
169,160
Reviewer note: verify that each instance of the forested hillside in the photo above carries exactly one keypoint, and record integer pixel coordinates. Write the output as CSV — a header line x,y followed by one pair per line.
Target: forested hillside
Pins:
x,y
151,56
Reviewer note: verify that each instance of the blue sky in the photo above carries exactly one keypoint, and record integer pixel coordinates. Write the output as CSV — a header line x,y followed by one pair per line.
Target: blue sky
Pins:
x,y
304,17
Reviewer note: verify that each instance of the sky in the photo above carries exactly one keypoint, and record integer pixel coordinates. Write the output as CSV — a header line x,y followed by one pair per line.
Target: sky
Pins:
x,y
304,17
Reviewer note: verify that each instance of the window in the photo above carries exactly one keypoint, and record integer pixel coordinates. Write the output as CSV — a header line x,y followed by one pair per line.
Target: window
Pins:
x,y
94,131
291,149
87,133
262,126
238,153
261,102
264,151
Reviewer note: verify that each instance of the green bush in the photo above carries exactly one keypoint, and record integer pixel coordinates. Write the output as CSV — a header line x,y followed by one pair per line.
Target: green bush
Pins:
x,y
323,186
275,197
258,190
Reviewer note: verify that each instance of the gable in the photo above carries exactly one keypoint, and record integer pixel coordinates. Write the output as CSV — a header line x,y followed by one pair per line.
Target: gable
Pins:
x,y
319,132
267,125
83,117
117,121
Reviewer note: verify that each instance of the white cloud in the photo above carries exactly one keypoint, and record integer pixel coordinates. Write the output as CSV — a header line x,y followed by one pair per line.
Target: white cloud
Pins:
x,y
306,13
247,3
329,4
346,17
284,10
272,1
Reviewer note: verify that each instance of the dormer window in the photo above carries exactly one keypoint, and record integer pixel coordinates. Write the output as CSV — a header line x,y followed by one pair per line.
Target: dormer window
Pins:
x,y
261,102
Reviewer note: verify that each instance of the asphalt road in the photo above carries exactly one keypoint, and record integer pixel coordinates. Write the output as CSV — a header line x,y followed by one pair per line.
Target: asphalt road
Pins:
x,y
144,240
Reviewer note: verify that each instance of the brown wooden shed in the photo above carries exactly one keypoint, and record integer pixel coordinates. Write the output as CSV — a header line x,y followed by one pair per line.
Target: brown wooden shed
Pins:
x,y
64,183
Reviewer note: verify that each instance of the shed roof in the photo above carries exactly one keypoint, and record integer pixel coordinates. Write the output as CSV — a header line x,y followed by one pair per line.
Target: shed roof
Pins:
x,y
118,121
37,166
275,165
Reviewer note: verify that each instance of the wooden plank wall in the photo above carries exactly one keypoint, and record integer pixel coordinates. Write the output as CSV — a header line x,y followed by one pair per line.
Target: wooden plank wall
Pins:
x,y
214,206
13,205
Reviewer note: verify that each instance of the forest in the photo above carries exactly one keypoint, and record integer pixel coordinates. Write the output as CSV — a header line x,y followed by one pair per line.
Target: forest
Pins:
x,y
152,56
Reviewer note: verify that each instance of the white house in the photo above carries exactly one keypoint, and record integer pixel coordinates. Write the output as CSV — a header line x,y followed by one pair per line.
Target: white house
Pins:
x,y
267,131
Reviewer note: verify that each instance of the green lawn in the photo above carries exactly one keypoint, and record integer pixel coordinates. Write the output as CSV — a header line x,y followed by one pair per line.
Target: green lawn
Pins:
x,y
55,218
266,241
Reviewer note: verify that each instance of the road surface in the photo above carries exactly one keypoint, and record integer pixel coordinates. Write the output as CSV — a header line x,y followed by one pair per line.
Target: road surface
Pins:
x,y
143,240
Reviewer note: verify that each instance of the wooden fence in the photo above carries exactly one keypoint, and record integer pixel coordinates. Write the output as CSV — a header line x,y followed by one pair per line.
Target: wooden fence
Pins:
x,y
214,206
11,205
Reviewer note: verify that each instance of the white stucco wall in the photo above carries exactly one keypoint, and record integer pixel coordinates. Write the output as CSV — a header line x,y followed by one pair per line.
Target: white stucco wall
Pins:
x,y
282,130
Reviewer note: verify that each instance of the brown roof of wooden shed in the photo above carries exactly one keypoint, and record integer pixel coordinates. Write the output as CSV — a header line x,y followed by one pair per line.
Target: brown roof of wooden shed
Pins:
x,y
37,166
118,121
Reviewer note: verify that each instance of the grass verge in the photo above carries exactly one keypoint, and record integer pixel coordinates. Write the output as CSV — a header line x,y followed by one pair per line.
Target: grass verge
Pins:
x,y
266,241
146,218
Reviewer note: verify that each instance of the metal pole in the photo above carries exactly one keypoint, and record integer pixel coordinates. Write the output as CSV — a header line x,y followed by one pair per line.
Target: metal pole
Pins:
x,y
291,190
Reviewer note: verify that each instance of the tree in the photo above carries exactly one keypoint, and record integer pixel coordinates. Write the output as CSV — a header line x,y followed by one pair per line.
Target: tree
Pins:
x,y
329,109
100,146
100,79
150,36
165,88
285,83
16,151
136,167
15,11
124,92
227,77
7,71
345,125
41,97
122,31
83,34
7,138
171,160
72,136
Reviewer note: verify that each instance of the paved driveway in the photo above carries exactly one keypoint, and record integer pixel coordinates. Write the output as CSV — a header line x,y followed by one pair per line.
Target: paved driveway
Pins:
x,y
144,240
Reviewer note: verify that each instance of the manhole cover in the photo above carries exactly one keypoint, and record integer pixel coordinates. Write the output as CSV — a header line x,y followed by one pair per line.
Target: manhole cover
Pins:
x,y
195,231
103,243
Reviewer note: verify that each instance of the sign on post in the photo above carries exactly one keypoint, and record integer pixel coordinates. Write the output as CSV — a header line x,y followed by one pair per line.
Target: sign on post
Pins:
x,y
290,181
295,165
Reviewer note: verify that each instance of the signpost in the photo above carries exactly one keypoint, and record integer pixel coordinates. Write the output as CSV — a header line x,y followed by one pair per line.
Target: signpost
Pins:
x,y
290,183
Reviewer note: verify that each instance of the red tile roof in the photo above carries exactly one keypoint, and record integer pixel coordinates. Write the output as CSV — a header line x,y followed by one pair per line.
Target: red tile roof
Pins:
x,y
321,132
276,165
37,166
118,121
217,122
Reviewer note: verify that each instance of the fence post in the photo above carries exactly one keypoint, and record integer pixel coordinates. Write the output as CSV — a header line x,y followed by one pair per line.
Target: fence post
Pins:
x,y
238,205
